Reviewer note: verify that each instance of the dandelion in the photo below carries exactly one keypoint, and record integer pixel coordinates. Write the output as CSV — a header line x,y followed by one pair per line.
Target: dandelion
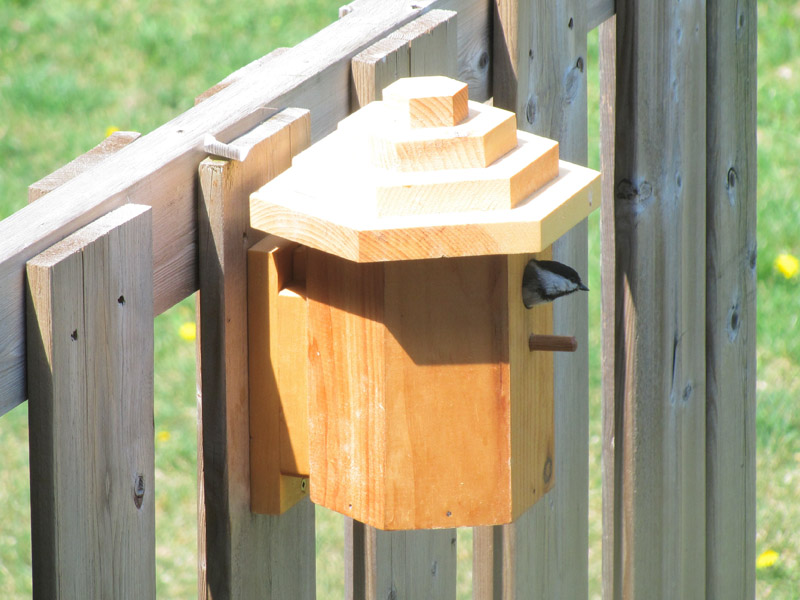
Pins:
x,y
111,129
787,265
767,559
163,436
188,331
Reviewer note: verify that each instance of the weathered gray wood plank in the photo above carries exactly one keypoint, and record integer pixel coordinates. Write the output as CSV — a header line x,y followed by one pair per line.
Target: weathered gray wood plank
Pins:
x,y
598,11
160,169
412,564
242,554
113,143
539,72
731,300
610,467
657,403
426,45
90,324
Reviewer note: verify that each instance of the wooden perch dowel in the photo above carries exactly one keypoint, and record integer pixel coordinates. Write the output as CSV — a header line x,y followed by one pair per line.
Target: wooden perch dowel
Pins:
x,y
552,343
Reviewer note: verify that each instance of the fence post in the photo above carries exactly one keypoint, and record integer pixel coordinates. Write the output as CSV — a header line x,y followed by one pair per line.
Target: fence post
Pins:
x,y
539,64
90,386
656,358
731,300
241,554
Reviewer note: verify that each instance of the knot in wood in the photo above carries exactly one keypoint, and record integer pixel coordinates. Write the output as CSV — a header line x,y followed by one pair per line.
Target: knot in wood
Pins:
x,y
138,491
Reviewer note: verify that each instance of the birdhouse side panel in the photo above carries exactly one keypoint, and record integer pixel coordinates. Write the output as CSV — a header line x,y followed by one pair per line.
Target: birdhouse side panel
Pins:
x,y
532,401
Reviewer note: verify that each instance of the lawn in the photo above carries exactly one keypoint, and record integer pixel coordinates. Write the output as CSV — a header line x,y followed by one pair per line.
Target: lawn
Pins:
x,y
70,71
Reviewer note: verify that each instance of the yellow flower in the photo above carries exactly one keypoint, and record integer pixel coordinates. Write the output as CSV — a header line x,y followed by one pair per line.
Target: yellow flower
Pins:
x,y
163,436
766,559
188,331
788,265
111,129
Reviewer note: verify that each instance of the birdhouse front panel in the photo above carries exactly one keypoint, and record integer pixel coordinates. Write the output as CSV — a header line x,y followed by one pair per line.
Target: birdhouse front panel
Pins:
x,y
426,410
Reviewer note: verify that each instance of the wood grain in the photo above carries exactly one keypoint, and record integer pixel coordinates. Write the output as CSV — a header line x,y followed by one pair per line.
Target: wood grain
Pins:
x,y
278,377
486,135
422,565
90,356
116,141
428,410
348,228
659,383
160,169
426,45
242,555
731,301
599,11
611,568
427,101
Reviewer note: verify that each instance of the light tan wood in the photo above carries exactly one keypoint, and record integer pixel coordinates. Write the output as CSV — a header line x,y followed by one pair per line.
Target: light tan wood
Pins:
x,y
659,362
90,357
160,169
386,167
731,301
484,136
427,408
433,51
531,394
548,95
278,367
428,101
242,554
350,232
116,141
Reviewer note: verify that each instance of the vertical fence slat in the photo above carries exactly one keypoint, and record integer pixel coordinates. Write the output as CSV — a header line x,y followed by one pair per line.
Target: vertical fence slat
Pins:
x,y
242,555
731,299
403,564
610,467
539,72
412,564
426,46
658,397
90,385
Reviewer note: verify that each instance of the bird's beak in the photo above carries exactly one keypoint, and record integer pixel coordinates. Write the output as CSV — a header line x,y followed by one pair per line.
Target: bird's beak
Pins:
x,y
583,287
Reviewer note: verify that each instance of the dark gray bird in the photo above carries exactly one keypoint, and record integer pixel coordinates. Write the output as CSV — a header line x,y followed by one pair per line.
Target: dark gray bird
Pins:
x,y
546,280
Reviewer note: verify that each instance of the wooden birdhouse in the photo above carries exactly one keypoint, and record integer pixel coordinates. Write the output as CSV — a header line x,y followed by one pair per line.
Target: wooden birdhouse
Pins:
x,y
390,346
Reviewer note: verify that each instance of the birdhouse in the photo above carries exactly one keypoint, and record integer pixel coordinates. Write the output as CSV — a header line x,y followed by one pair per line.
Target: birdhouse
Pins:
x,y
393,374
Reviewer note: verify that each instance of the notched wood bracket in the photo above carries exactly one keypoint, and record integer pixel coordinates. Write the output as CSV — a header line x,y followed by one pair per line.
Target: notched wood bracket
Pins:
x,y
278,364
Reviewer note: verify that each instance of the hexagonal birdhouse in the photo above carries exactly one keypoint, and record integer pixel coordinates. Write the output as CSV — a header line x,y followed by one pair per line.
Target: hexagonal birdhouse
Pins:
x,y
390,295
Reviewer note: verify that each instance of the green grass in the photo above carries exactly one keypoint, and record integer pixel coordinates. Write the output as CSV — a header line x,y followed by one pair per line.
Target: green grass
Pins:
x,y
70,70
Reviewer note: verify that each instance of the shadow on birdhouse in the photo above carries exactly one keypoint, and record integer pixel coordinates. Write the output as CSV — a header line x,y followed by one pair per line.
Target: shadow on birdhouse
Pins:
x,y
391,360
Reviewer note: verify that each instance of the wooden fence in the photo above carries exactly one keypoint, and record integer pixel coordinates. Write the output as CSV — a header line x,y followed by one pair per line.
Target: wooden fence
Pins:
x,y
678,262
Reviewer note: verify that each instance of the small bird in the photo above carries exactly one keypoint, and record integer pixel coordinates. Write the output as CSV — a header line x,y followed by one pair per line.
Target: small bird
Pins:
x,y
546,280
